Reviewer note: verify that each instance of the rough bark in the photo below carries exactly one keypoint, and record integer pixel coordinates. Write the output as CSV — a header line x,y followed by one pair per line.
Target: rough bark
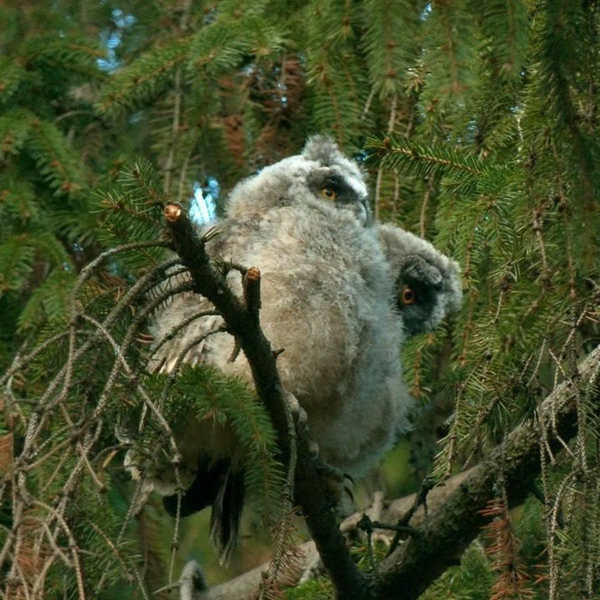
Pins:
x,y
415,565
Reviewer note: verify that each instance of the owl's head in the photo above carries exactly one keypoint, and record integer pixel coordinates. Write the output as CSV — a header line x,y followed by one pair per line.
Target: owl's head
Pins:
x,y
321,174
427,283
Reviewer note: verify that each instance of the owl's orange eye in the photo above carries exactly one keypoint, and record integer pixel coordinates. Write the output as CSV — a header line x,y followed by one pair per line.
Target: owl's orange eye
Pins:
x,y
408,296
328,193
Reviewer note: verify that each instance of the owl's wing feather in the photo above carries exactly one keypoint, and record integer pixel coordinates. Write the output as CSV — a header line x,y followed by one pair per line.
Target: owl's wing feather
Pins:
x,y
226,513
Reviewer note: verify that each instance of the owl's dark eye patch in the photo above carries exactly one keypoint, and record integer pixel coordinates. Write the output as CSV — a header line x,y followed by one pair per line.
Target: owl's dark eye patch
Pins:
x,y
413,292
334,187
342,191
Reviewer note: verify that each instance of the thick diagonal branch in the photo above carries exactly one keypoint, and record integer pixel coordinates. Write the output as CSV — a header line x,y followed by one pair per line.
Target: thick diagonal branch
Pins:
x,y
242,323
415,565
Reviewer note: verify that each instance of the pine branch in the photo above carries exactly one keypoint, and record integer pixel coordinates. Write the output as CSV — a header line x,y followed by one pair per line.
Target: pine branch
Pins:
x,y
396,153
57,161
504,23
415,565
146,78
242,323
390,43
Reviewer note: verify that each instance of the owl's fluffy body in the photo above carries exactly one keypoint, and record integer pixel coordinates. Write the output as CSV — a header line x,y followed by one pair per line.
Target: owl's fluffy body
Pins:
x,y
327,300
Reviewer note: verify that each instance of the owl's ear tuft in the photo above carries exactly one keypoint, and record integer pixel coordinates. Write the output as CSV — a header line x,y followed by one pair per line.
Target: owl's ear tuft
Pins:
x,y
323,149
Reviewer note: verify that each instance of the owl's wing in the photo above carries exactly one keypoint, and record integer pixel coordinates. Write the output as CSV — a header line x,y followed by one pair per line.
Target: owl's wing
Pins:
x,y
181,331
184,329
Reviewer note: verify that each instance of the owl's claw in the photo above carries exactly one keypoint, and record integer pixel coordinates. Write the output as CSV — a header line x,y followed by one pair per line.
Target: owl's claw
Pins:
x,y
301,422
338,487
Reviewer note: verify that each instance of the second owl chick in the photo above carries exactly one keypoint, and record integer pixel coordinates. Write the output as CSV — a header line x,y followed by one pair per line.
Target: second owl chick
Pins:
x,y
427,282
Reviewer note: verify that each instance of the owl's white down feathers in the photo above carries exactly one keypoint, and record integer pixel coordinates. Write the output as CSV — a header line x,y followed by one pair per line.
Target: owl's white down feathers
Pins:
x,y
327,300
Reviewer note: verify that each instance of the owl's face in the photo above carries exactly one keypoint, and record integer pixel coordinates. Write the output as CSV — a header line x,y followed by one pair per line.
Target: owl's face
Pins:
x,y
336,178
320,174
427,283
418,288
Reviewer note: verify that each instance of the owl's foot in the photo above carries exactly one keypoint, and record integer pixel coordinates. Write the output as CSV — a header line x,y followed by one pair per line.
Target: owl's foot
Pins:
x,y
301,422
338,485
338,488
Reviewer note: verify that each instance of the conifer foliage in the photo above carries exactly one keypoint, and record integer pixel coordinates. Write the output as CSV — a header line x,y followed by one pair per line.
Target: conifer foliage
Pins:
x,y
477,123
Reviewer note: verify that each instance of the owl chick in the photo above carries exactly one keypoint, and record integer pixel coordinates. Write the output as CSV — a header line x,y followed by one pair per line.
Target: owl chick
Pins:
x,y
427,282
330,284
327,300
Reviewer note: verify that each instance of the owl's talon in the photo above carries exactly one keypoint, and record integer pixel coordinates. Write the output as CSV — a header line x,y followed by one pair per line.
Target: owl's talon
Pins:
x,y
301,422
298,413
349,493
339,493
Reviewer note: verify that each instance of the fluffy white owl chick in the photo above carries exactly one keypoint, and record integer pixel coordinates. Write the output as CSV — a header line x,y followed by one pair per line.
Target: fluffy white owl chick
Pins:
x,y
327,300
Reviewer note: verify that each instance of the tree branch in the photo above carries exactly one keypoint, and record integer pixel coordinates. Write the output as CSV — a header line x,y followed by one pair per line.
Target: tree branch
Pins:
x,y
310,493
244,585
416,564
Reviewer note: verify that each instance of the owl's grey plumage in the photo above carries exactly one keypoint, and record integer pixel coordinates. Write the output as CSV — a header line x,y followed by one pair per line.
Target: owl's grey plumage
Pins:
x,y
329,298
